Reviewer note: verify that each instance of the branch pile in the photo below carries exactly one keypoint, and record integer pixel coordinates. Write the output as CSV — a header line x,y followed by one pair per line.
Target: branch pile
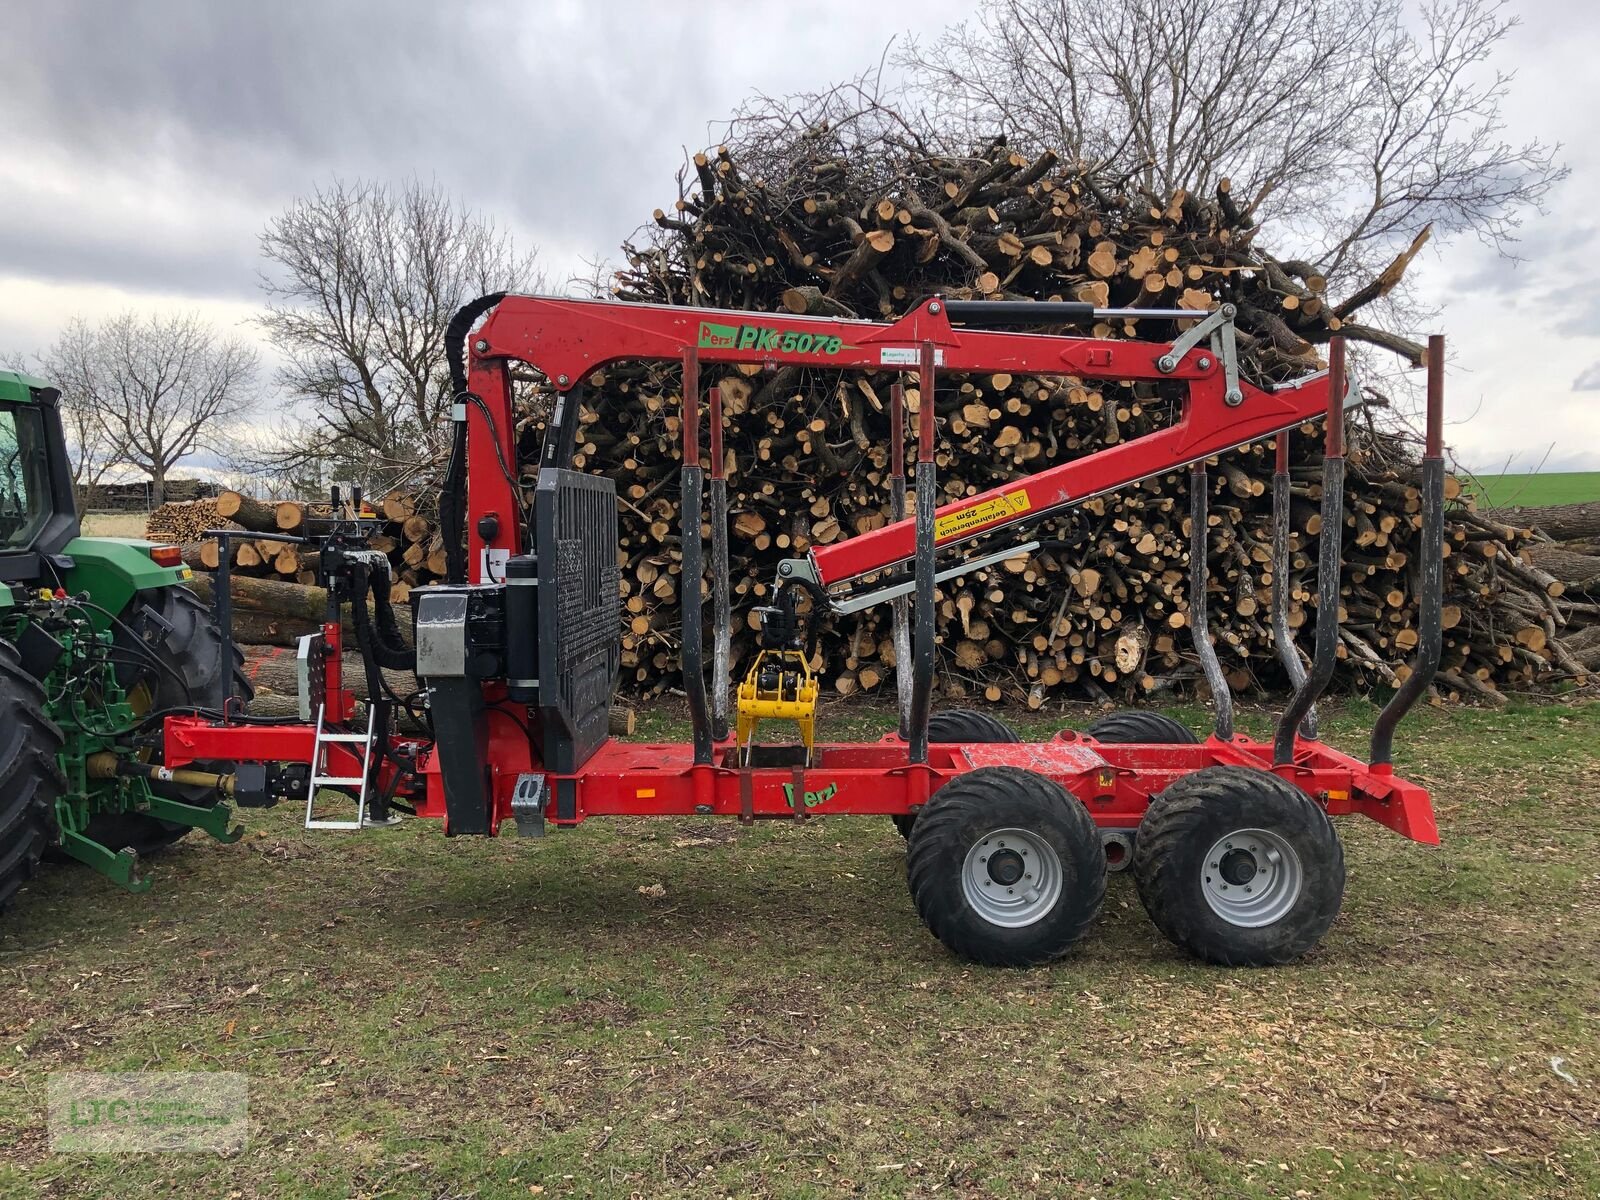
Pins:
x,y
814,230
807,451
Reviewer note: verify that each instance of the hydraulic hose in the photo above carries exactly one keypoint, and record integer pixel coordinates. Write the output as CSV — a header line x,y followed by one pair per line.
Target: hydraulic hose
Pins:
x,y
393,652
453,494
385,642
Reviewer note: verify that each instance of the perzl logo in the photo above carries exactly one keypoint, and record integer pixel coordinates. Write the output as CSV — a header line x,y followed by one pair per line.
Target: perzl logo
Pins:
x,y
810,799
718,337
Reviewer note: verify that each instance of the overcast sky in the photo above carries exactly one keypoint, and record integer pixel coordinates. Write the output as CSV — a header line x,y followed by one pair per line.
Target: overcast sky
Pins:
x,y
144,146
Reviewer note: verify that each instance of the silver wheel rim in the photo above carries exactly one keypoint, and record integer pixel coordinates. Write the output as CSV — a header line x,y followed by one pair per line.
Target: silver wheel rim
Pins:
x,y
1251,877
1011,877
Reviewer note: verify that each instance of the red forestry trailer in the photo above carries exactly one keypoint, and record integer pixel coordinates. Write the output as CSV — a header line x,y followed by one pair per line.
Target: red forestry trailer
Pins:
x,y
1008,843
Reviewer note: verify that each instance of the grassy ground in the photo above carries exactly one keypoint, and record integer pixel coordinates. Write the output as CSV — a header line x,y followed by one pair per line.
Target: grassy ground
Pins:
x,y
114,524
1536,491
637,1008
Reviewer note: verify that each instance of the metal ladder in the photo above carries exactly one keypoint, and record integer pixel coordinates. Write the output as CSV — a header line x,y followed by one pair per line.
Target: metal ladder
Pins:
x,y
319,745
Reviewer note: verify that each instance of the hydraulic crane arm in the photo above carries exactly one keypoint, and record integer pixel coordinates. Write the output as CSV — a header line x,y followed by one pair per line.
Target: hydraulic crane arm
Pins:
x,y
570,339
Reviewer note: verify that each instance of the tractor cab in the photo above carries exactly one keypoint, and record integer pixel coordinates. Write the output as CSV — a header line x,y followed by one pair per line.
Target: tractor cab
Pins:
x,y
38,511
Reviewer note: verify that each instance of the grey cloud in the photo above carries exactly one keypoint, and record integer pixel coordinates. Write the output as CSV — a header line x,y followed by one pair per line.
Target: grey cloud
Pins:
x,y
567,119
1574,310
274,96
1588,379
211,269
1510,279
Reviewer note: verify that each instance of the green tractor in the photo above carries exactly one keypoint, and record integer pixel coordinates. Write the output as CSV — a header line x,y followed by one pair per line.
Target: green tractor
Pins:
x,y
99,637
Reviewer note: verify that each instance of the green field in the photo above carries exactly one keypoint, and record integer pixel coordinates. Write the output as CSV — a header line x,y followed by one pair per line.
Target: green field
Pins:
x,y
696,1008
1537,491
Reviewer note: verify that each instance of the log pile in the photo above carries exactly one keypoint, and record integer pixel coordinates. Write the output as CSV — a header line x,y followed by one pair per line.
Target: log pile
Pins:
x,y
184,522
409,537
1565,549
129,497
1106,615
807,450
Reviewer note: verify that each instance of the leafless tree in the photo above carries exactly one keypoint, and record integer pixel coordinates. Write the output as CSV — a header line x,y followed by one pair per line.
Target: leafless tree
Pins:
x,y
148,391
1359,124
362,281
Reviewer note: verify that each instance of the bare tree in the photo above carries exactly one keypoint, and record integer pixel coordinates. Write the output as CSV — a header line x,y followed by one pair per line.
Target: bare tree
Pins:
x,y
148,391
71,365
1346,121
363,281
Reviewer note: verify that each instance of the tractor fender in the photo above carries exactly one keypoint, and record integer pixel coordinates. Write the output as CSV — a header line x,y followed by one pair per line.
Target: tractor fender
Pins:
x,y
112,570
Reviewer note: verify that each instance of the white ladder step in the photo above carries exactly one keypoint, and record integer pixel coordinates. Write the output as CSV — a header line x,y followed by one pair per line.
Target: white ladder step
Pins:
x,y
319,754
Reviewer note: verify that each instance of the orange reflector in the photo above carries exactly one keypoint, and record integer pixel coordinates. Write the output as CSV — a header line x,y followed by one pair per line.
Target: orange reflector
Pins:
x,y
644,793
166,556
1337,795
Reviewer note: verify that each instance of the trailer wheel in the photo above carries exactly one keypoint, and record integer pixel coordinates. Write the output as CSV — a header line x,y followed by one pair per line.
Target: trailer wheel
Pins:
x,y
1141,726
1239,867
178,628
1005,867
30,779
967,725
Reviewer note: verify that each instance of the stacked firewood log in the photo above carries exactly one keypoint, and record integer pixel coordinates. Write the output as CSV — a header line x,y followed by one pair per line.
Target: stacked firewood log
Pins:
x,y
807,451
409,536
1103,610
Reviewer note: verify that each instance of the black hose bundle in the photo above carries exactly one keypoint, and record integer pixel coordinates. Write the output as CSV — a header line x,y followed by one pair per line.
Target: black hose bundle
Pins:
x,y
453,494
388,647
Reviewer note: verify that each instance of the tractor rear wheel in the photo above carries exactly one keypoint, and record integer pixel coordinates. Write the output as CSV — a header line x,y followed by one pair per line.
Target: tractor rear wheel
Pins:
x,y
30,777
961,725
1005,867
1239,867
175,626
1137,725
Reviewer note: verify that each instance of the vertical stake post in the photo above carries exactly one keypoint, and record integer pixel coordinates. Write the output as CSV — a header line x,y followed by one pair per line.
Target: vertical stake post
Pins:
x,y
692,477
1330,542
222,604
721,616
927,482
900,607
1430,637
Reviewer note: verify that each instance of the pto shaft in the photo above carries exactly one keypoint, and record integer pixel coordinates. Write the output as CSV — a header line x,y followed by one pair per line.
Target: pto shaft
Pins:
x,y
107,765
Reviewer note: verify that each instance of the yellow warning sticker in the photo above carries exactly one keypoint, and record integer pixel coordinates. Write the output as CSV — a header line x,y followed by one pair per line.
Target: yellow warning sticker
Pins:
x,y
976,516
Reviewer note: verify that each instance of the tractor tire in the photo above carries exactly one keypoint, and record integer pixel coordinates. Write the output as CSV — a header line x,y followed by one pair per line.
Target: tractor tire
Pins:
x,y
989,835
1139,725
961,725
30,777
177,626
1239,867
